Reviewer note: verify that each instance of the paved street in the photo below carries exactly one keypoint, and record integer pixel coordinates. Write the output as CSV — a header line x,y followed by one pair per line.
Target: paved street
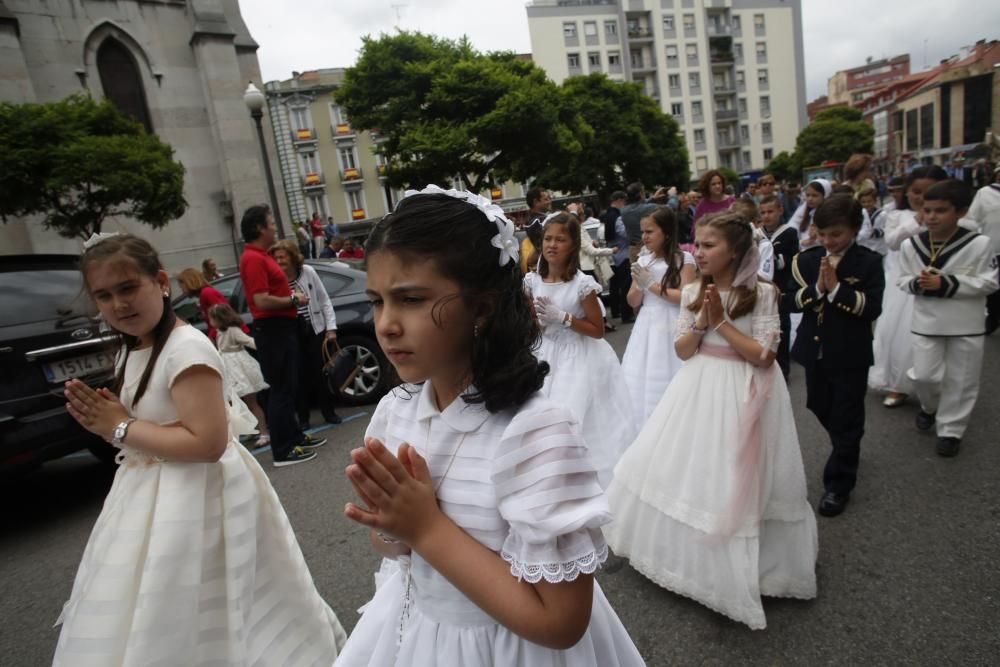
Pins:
x,y
910,574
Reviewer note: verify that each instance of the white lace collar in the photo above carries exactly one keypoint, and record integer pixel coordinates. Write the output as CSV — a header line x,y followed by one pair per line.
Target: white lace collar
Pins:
x,y
459,415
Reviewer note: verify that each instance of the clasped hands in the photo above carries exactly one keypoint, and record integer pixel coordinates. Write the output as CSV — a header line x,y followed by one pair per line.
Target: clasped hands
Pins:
x,y
827,281
547,311
398,493
640,274
97,410
712,313
929,280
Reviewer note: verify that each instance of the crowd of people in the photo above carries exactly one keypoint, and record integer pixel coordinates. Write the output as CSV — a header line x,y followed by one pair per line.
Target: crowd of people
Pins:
x,y
517,448
319,241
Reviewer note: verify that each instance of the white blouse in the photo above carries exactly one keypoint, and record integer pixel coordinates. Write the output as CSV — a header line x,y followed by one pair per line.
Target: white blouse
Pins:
x,y
521,484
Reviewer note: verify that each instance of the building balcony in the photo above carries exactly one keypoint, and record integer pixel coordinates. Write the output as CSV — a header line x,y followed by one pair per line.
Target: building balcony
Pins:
x,y
726,115
303,136
313,181
640,35
342,131
727,142
721,58
351,175
727,88
496,193
643,67
719,30
380,168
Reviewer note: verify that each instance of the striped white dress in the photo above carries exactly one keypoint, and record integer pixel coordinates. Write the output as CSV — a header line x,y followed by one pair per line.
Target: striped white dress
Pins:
x,y
192,563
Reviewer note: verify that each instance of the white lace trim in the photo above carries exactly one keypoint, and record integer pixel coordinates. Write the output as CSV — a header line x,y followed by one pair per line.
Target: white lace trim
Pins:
x,y
767,331
556,572
132,457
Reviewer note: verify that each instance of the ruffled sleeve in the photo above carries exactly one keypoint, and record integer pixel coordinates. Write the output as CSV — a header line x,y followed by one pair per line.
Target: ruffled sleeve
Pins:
x,y
765,325
686,318
529,284
195,350
547,490
586,285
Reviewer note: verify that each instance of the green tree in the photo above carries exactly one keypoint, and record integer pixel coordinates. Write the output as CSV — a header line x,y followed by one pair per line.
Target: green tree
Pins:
x,y
732,178
835,134
446,109
624,138
78,161
784,166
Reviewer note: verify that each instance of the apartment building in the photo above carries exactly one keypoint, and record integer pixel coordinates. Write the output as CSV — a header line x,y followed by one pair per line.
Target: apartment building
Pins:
x,y
731,72
329,167
853,86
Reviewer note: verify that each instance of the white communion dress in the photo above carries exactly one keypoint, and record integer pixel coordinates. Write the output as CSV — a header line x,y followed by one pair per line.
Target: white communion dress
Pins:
x,y
243,373
893,343
520,483
650,361
192,563
710,500
585,374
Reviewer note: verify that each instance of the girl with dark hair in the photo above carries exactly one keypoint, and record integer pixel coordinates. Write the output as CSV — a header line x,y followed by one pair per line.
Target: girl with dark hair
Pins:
x,y
658,277
489,519
710,499
161,579
585,373
893,344
815,192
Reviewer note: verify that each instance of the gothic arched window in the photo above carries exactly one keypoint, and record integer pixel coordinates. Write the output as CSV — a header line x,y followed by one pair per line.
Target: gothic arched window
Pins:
x,y
122,81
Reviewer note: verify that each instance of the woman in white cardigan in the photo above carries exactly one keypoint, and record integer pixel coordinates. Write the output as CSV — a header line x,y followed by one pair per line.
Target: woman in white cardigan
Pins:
x,y
317,328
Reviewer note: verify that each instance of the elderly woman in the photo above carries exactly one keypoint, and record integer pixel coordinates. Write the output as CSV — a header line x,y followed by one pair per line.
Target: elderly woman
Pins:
x,y
193,284
317,326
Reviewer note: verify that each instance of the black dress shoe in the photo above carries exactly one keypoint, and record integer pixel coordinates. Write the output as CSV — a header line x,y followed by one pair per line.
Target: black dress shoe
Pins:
x,y
832,504
948,447
332,418
924,421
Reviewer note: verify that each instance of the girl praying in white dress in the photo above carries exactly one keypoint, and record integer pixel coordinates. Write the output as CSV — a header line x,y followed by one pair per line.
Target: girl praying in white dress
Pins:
x,y
192,560
475,485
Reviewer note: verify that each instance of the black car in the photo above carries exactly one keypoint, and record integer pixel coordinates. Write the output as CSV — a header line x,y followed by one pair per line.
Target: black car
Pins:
x,y
48,334
355,325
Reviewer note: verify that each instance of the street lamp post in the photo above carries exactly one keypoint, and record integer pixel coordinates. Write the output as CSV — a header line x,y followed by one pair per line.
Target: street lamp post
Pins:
x,y
254,99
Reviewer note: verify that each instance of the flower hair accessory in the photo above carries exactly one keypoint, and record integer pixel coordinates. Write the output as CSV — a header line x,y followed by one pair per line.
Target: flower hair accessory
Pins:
x,y
97,238
504,240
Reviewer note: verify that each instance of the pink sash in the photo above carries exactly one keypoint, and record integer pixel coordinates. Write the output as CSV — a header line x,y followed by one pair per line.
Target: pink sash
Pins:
x,y
746,501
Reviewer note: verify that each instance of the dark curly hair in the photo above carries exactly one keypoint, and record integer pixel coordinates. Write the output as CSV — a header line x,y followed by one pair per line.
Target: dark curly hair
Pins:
x,y
457,237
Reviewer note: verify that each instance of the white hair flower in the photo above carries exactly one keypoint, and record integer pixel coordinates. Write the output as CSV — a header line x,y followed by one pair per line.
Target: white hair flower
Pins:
x,y
97,238
504,240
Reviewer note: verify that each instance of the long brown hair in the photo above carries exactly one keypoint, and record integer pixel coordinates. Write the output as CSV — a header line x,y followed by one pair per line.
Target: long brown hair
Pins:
x,y
664,218
224,316
573,229
140,254
736,231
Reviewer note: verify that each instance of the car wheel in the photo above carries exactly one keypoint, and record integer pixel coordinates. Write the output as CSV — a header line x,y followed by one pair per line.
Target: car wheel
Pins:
x,y
373,371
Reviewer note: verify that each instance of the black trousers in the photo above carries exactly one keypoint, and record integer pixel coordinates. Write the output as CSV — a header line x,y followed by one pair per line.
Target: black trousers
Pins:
x,y
618,286
311,381
784,356
837,397
277,341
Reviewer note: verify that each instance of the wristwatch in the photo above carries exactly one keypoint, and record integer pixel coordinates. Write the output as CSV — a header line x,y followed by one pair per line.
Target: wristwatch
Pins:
x,y
568,322
118,435
295,301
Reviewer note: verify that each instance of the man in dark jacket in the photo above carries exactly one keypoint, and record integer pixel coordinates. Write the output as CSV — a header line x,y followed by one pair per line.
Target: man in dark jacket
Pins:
x,y
616,237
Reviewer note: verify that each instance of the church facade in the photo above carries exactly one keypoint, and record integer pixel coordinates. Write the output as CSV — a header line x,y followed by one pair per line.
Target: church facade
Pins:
x,y
178,66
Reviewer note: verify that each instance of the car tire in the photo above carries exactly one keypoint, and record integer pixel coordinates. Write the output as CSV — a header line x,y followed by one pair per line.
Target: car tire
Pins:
x,y
374,370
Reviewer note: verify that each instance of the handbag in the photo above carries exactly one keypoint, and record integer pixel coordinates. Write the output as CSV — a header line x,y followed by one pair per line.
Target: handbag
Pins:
x,y
339,368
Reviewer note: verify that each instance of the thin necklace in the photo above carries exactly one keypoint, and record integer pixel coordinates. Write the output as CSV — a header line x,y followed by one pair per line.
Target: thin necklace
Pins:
x,y
937,248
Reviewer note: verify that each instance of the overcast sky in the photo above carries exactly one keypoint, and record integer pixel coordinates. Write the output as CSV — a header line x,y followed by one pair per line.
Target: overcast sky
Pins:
x,y
312,34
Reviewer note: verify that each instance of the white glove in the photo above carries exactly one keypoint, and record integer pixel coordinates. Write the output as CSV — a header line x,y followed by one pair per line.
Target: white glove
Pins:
x,y
547,312
640,274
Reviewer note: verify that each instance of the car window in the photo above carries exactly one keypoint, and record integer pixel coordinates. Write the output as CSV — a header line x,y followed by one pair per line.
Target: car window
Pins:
x,y
333,282
36,296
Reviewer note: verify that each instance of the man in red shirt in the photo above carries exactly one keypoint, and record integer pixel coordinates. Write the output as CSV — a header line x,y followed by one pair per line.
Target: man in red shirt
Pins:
x,y
318,237
351,251
274,308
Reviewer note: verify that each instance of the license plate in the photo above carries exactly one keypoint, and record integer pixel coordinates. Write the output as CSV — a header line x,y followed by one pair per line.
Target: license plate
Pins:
x,y
75,367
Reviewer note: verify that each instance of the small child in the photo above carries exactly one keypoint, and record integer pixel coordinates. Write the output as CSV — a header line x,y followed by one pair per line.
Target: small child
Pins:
x,y
747,208
242,372
872,233
840,285
950,271
816,191
784,239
